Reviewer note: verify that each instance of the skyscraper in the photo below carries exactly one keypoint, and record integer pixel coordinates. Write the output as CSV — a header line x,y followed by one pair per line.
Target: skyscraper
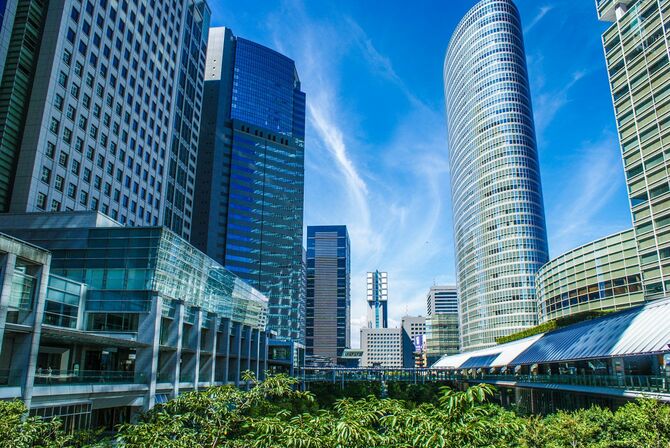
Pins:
x,y
110,104
328,291
23,33
636,49
378,294
249,210
442,336
499,223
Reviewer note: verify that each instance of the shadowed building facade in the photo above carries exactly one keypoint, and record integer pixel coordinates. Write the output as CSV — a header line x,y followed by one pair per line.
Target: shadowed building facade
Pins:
x,y
498,211
249,208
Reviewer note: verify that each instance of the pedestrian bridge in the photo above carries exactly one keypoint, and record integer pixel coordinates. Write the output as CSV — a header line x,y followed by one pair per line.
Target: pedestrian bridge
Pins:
x,y
641,383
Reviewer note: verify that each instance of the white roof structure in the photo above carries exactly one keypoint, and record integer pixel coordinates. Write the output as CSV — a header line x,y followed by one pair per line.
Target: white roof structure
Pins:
x,y
642,330
498,356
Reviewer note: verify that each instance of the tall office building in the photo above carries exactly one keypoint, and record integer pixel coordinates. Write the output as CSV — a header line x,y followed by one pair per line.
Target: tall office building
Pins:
x,y
442,336
113,110
499,222
378,295
249,210
328,291
636,49
22,23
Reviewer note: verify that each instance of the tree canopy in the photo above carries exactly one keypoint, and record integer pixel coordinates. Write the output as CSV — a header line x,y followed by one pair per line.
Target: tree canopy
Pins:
x,y
274,414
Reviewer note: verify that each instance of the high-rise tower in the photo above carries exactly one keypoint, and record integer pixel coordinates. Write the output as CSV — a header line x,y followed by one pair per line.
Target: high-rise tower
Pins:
x,y
100,109
636,49
378,294
249,209
499,222
328,291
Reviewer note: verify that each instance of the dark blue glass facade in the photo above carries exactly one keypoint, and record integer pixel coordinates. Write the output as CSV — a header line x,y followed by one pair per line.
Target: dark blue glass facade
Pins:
x,y
266,90
328,325
250,188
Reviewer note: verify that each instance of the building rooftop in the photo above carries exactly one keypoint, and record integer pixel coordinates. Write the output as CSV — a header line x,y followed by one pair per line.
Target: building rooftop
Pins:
x,y
641,330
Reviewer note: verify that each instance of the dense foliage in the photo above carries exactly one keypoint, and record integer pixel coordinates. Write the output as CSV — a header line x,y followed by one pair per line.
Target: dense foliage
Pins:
x,y
551,325
272,414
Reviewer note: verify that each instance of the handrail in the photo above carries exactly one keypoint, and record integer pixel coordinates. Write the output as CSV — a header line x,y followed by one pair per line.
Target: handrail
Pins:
x,y
646,383
46,377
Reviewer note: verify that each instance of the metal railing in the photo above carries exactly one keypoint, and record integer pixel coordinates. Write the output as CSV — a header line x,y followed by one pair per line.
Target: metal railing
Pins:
x,y
55,377
643,383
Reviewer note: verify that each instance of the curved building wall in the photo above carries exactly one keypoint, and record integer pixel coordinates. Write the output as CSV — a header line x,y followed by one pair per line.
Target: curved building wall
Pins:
x,y
602,275
499,223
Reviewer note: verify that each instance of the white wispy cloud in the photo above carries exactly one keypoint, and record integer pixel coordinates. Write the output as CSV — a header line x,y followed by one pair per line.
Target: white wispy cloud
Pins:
x,y
543,11
548,103
395,211
577,213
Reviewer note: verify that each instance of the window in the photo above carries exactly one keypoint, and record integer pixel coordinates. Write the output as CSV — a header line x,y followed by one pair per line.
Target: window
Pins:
x,y
62,159
83,198
46,175
59,183
51,150
58,102
54,126
76,165
41,201
55,206
71,190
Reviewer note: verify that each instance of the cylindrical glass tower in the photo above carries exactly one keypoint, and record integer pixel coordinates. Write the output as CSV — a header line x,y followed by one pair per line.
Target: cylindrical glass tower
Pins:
x,y
499,225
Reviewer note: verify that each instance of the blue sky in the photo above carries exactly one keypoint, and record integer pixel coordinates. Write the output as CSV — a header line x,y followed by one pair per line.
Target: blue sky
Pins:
x,y
376,152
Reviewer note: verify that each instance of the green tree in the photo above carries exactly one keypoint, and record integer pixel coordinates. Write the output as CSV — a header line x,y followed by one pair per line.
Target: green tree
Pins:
x,y
19,431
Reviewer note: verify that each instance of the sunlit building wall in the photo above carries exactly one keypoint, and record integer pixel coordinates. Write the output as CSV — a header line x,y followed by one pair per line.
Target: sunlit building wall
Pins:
x,y
636,49
497,204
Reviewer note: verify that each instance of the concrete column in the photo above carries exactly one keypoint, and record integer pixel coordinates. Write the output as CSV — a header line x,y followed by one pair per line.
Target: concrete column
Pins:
x,y
210,343
257,337
225,335
146,361
179,321
9,263
248,333
37,318
82,309
197,335
264,353
238,351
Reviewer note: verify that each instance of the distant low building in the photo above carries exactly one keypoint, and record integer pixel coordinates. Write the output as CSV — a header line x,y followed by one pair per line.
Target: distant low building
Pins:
x,y
413,341
442,322
382,347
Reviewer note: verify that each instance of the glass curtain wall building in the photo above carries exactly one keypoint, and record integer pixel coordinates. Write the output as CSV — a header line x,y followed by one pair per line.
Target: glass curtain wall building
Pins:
x,y
111,120
602,275
378,296
328,329
498,210
131,317
249,214
442,336
636,49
